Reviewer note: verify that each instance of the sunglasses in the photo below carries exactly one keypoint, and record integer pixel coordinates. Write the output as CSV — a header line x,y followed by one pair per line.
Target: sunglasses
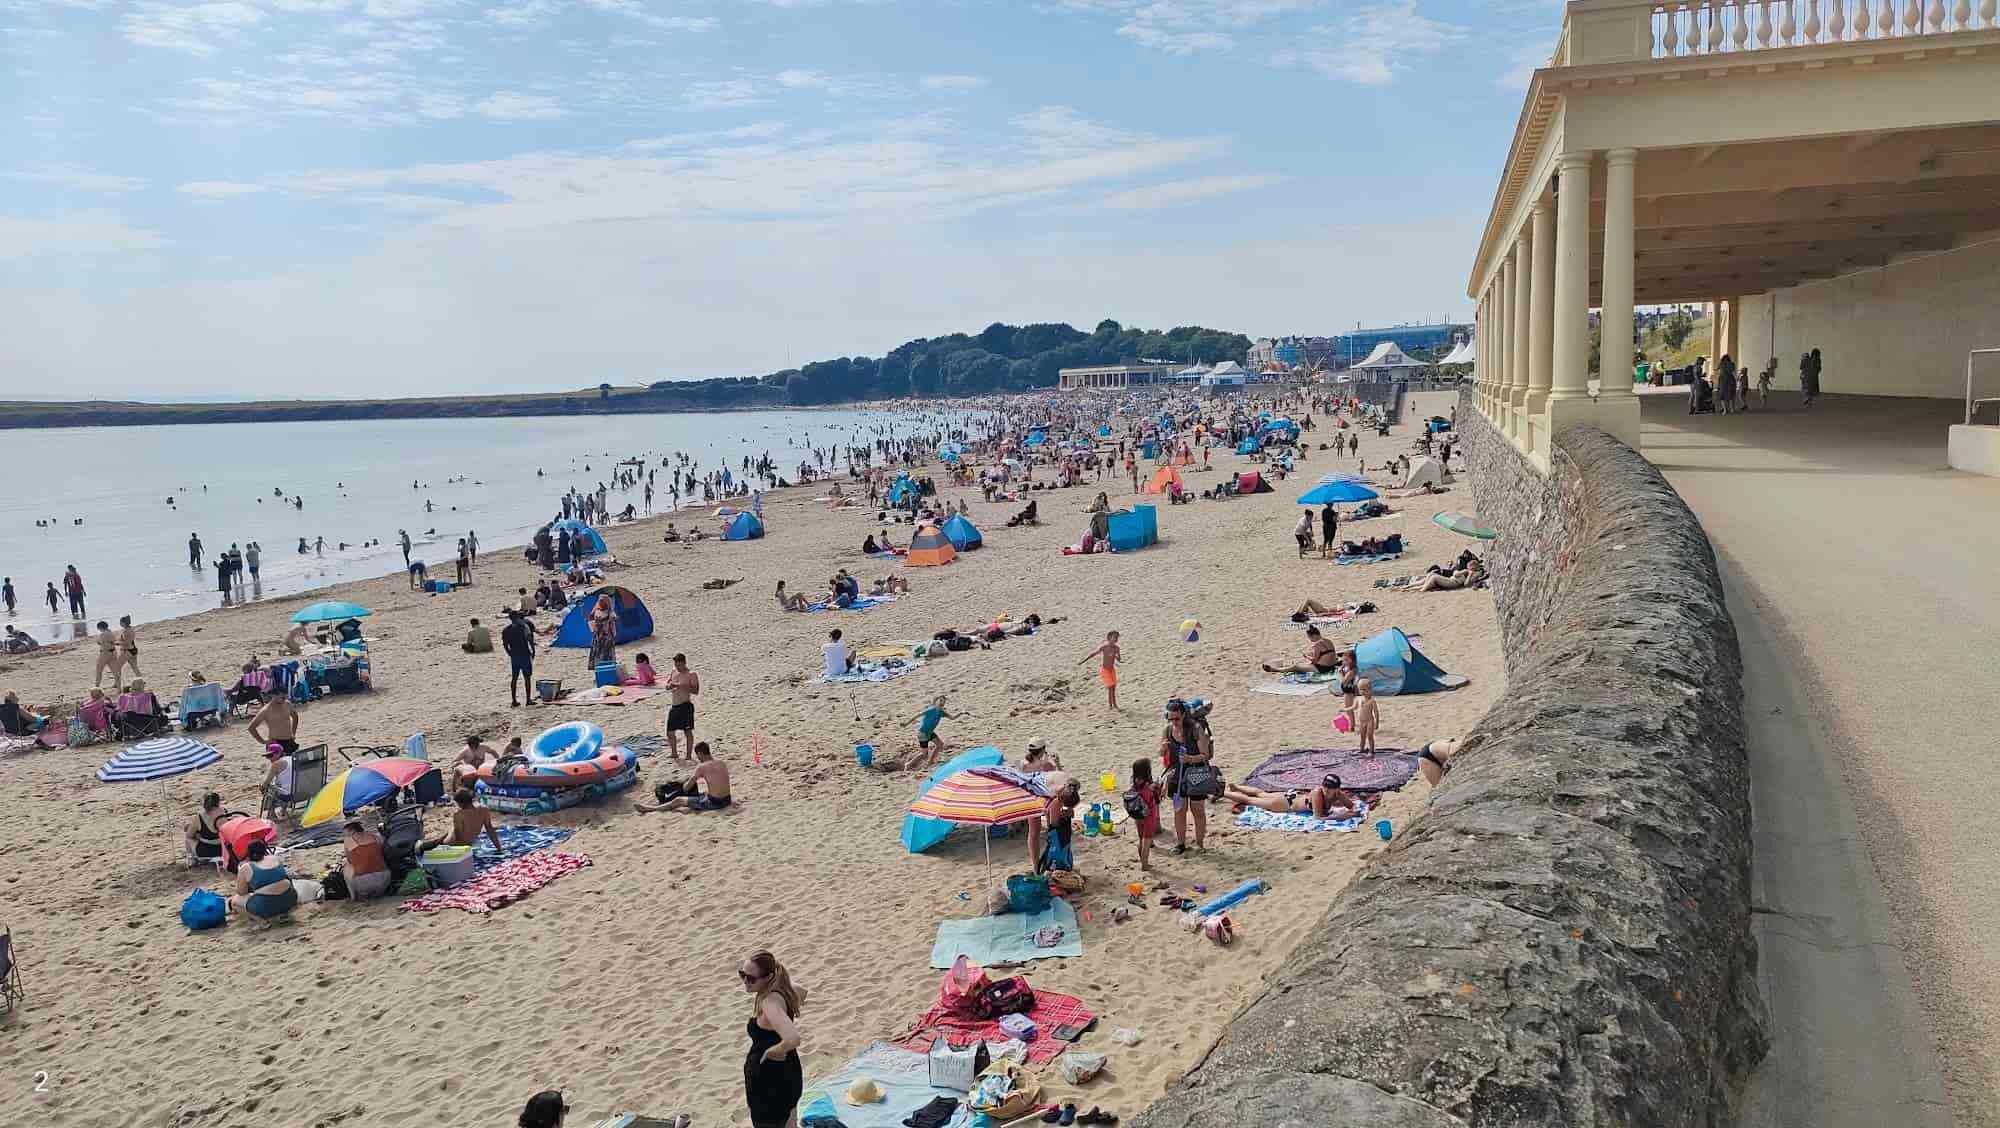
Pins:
x,y
749,978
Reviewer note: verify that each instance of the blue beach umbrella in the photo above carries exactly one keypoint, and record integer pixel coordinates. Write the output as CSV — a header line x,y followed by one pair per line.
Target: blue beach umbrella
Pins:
x,y
1337,493
163,758
331,611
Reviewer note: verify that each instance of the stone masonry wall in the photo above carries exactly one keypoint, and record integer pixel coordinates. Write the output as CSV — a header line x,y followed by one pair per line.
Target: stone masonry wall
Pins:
x,y
1563,938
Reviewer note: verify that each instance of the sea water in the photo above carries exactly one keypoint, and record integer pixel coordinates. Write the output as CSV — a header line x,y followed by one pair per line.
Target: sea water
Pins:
x,y
233,483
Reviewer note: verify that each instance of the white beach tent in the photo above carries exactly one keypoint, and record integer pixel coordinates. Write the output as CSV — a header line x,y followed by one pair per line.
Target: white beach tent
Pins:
x,y
1424,471
1461,355
1390,360
1227,373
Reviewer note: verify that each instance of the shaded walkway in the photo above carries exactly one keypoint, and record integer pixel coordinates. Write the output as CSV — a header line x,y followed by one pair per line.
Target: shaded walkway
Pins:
x,y
1861,574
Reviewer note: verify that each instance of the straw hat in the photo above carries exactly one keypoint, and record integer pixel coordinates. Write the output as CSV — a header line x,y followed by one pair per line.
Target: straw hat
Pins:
x,y
865,1091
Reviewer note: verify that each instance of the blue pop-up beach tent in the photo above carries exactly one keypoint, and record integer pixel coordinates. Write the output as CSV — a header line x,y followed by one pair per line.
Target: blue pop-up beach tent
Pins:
x,y
634,621
962,534
743,526
1133,529
920,833
584,540
902,490
1248,446
1395,666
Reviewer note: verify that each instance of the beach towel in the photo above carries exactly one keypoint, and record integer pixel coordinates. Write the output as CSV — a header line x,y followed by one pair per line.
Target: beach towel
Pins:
x,y
1387,770
1375,559
1008,938
1320,621
1292,689
1255,818
626,695
1398,582
17,744
871,672
509,881
312,837
904,1076
1052,1013
516,840
644,745
862,604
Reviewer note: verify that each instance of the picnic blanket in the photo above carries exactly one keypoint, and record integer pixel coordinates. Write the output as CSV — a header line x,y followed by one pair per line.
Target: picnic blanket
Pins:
x,y
626,695
861,604
867,671
1292,688
904,1076
1256,818
1387,770
516,840
313,837
511,880
1051,1013
1008,938
1375,559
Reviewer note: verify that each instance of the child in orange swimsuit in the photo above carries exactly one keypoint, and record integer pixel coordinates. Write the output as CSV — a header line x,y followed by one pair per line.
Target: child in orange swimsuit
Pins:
x,y
1107,672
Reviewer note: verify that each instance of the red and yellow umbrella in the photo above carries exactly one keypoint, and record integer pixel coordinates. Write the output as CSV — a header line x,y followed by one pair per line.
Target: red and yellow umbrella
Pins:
x,y
973,799
364,783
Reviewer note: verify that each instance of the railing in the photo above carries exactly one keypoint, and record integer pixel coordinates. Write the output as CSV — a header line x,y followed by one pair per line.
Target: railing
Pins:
x,y
1714,27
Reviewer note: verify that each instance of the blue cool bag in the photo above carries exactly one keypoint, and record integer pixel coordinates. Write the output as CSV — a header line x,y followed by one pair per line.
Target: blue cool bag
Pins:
x,y
203,910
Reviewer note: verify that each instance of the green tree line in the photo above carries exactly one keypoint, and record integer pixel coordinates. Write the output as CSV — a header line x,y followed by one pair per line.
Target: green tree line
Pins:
x,y
999,358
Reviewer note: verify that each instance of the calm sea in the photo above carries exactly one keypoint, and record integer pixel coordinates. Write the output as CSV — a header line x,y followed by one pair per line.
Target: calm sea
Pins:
x,y
355,480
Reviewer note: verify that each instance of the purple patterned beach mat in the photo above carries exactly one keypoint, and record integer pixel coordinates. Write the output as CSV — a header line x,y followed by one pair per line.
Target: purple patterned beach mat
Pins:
x,y
1387,770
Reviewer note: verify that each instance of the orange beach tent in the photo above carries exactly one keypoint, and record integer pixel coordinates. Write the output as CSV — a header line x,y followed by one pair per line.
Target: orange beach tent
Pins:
x,y
1162,478
929,547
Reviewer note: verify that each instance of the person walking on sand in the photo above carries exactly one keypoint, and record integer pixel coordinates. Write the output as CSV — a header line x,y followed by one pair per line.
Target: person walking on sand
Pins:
x,y
472,544
682,685
108,657
1107,670
1142,802
928,741
773,1079
1329,524
128,644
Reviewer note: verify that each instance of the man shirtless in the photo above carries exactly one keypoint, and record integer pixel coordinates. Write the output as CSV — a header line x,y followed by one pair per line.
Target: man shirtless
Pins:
x,y
276,722
466,824
706,790
682,684
471,758
1321,657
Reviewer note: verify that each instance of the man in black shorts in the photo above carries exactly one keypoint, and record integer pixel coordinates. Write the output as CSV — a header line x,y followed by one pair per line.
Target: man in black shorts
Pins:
x,y
517,638
706,790
682,684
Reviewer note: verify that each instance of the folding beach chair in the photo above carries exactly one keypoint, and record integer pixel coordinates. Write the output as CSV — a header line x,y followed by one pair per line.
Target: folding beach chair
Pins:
x,y
202,705
308,777
12,993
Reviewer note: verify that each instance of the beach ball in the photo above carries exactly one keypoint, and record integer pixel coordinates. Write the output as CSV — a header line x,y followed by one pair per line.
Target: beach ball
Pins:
x,y
1190,630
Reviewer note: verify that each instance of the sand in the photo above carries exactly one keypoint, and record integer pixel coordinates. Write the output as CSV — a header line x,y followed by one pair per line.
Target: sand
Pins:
x,y
616,984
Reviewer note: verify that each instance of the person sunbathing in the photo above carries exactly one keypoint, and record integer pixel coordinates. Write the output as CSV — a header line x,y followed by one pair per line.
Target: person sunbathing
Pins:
x,y
1313,608
706,790
1327,801
1443,581
1321,657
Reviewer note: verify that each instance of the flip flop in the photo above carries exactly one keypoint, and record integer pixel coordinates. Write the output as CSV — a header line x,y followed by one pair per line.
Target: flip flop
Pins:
x,y
1052,1115
1068,1114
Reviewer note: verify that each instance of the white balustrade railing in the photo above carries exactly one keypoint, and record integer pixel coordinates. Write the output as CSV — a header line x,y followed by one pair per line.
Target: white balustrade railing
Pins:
x,y
1714,27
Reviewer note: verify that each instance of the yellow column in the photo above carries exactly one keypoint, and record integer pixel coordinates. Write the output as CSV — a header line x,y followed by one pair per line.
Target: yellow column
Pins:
x,y
1539,316
1614,368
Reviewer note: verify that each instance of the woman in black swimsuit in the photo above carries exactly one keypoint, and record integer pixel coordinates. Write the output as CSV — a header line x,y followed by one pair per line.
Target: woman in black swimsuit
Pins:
x,y
1434,760
773,1080
204,831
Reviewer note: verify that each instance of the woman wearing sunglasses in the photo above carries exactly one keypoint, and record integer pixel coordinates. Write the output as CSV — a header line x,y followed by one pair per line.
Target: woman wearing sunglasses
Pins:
x,y
772,1077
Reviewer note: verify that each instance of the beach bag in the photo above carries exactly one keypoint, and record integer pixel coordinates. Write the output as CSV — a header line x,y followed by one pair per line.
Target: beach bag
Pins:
x,y
333,887
1007,996
958,642
1007,1091
957,1070
1200,781
203,910
1065,881
1027,893
1135,804
962,986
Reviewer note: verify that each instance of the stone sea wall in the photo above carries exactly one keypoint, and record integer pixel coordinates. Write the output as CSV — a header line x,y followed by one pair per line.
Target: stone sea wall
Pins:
x,y
1563,938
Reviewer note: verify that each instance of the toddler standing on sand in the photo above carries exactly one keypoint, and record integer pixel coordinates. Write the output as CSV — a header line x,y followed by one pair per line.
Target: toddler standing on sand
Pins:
x,y
1367,715
1107,672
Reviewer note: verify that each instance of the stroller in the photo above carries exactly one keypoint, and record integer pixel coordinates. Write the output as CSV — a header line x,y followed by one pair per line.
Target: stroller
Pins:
x,y
1701,398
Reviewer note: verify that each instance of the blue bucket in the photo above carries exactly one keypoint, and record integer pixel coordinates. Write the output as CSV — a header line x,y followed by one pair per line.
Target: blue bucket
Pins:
x,y
1382,828
864,754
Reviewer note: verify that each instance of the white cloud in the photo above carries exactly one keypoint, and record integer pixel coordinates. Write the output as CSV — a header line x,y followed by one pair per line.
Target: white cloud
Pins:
x,y
722,94
754,131
218,189
78,179
803,79
1184,27
1177,192
1372,45
955,83
194,28
510,106
78,233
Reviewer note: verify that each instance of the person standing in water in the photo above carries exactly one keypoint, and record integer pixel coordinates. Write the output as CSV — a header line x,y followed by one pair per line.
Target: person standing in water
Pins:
x,y
194,552
55,601
73,585
404,536
7,593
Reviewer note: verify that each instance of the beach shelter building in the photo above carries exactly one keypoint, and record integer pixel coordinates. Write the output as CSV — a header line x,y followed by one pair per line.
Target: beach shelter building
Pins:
x,y
1395,666
930,547
634,621
743,526
1389,362
962,533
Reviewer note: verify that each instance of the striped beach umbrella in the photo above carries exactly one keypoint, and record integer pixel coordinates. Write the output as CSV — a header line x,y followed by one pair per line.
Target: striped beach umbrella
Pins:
x,y
972,799
161,758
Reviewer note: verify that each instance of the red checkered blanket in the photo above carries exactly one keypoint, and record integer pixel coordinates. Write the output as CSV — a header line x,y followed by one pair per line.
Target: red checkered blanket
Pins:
x,y
1051,1011
508,881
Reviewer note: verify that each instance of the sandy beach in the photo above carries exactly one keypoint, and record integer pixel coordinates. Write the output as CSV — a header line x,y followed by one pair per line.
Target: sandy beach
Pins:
x,y
617,983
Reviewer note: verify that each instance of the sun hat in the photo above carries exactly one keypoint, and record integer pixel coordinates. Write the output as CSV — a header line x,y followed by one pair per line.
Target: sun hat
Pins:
x,y
865,1091
1038,745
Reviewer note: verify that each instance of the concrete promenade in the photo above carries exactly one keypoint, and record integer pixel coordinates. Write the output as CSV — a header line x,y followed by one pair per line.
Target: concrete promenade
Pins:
x,y
1861,573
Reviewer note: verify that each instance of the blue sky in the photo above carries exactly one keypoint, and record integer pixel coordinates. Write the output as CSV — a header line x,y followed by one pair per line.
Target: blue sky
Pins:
x,y
408,197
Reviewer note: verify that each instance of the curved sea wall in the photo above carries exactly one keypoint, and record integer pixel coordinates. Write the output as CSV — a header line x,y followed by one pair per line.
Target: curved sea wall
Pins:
x,y
1563,937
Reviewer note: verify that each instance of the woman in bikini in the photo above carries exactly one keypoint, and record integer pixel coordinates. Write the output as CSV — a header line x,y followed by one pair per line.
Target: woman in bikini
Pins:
x,y
790,601
1327,801
1434,760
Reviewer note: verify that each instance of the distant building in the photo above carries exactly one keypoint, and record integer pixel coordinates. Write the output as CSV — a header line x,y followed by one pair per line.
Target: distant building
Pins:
x,y
1388,362
1262,351
1114,376
1288,352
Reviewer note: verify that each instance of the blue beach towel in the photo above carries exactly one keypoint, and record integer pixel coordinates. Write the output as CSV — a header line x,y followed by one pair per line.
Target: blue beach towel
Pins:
x,y
1254,818
516,840
1008,938
1376,559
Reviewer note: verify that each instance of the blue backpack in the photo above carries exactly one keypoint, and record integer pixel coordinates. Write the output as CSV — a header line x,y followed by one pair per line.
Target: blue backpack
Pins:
x,y
203,910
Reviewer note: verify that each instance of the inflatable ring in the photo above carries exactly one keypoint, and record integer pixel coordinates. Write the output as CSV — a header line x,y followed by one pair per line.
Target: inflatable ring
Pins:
x,y
567,743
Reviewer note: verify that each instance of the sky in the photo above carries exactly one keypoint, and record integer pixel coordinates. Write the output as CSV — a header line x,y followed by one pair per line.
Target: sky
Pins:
x,y
287,198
